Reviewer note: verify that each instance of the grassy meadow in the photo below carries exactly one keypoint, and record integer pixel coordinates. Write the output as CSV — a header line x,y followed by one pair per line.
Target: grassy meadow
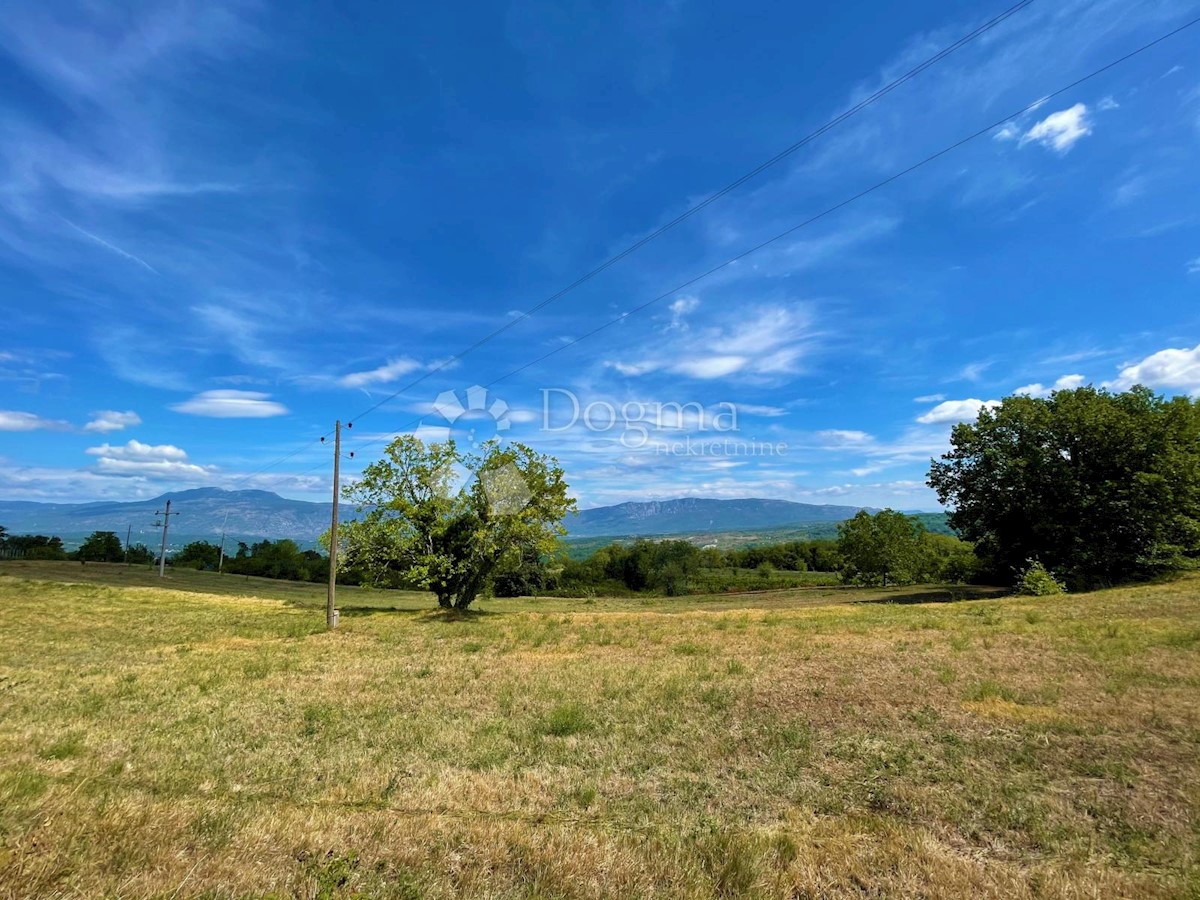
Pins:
x,y
203,736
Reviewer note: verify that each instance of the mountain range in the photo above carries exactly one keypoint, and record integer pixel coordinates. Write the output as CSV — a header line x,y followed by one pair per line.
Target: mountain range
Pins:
x,y
689,514
204,512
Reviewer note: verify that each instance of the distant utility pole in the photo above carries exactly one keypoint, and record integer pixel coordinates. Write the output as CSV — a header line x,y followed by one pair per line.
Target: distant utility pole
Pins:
x,y
331,617
221,552
166,525
128,532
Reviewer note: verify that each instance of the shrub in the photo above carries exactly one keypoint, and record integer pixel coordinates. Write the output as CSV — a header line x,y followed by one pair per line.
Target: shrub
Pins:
x,y
1038,581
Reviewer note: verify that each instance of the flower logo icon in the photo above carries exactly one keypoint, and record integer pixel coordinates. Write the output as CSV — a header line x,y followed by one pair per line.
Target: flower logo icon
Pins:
x,y
481,418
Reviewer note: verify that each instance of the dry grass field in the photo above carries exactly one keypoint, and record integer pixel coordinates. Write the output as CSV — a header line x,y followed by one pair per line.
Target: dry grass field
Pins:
x,y
207,738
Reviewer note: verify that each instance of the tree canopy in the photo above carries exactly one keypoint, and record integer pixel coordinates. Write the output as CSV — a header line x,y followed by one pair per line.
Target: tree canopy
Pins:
x,y
417,528
884,548
1100,487
101,546
197,555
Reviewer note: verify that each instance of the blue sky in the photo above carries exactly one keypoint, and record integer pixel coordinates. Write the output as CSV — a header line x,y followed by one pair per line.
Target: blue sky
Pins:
x,y
224,224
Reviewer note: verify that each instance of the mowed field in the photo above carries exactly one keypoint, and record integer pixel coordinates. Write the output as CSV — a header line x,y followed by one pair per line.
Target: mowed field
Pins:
x,y
207,737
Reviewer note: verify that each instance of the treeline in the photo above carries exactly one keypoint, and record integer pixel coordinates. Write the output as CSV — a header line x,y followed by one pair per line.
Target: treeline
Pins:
x,y
675,567
101,546
888,548
30,546
282,559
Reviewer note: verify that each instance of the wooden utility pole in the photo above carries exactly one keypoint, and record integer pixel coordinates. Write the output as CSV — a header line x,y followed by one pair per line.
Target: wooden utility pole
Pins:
x,y
166,525
331,596
128,533
221,551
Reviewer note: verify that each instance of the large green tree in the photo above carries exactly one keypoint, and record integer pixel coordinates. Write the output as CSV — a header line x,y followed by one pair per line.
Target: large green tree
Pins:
x,y
1100,487
197,555
101,546
418,528
884,548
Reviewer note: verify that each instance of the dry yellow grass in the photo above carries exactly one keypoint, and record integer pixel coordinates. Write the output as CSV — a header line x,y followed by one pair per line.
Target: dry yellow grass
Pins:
x,y
159,743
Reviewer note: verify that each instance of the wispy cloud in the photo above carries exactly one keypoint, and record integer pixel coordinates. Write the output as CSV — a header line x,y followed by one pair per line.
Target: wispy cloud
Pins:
x,y
231,405
112,247
110,420
973,371
1060,131
15,420
1066,383
768,341
387,373
956,411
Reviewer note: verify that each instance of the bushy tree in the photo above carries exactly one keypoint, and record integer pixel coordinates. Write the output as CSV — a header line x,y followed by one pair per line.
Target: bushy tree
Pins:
x,y
282,559
884,548
101,546
1100,487
947,559
197,555
1038,581
526,576
417,527
140,555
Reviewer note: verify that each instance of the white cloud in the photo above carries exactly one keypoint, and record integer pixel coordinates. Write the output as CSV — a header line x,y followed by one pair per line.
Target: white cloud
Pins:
x,y
973,371
930,398
1172,369
148,461
1066,383
110,420
1007,132
14,420
754,409
1193,266
385,374
1061,130
136,450
1108,103
838,437
767,341
711,366
156,468
231,405
956,411
634,369
680,308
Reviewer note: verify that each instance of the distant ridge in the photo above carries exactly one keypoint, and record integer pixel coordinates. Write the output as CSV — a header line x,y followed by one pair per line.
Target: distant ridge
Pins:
x,y
252,514
263,514
690,514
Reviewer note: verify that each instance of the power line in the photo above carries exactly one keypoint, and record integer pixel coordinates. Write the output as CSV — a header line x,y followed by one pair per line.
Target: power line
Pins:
x,y
712,198
682,217
830,210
